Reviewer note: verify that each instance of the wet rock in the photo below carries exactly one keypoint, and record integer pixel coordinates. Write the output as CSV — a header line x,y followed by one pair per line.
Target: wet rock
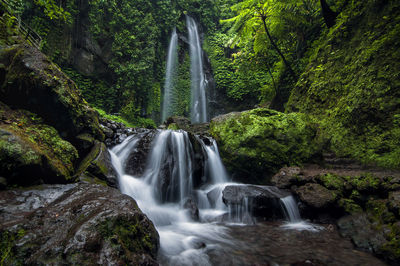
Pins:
x,y
137,159
77,224
191,206
362,232
286,177
315,195
263,201
98,165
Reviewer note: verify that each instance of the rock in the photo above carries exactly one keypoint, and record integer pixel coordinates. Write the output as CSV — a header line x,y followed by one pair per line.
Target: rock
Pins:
x,y
98,165
394,202
137,159
3,183
85,142
363,234
107,131
256,144
263,200
286,177
180,122
32,152
191,206
33,83
80,224
315,195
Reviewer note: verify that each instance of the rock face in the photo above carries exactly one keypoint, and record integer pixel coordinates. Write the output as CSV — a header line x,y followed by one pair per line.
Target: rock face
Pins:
x,y
98,165
32,152
33,83
255,144
263,200
75,224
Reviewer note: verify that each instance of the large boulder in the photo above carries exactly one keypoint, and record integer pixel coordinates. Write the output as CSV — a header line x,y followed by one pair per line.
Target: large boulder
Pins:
x,y
255,144
31,81
78,224
32,152
262,201
98,165
315,195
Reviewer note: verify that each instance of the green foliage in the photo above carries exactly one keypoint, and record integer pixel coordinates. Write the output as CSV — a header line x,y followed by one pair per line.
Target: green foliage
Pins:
x,y
135,122
95,91
352,83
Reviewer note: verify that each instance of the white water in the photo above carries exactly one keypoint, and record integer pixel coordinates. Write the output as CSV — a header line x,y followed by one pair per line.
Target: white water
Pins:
x,y
166,185
170,75
293,216
198,83
182,240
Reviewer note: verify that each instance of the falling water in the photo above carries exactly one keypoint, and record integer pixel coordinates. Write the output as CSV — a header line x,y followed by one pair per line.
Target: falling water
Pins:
x,y
198,82
163,189
290,209
170,75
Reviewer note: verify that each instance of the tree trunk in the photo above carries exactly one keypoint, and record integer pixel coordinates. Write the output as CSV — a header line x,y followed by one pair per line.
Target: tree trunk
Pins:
x,y
263,18
328,14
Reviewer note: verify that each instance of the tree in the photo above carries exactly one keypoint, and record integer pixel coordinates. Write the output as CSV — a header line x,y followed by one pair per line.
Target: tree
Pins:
x,y
255,13
328,14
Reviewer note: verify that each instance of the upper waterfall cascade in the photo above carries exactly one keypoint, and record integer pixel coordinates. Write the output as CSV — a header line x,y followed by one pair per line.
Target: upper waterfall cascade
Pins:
x,y
198,101
170,76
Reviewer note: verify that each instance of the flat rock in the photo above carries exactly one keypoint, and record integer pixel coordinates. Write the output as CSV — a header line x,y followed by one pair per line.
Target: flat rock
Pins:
x,y
79,224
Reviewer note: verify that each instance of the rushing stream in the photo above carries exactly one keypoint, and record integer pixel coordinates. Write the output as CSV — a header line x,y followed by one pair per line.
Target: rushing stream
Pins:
x,y
166,193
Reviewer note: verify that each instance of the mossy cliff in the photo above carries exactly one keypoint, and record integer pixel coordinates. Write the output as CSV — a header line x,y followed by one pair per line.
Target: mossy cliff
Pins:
x,y
29,80
352,83
255,144
46,126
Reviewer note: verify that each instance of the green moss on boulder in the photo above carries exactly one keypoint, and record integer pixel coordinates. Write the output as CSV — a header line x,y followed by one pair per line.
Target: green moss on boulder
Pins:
x,y
33,83
255,144
32,152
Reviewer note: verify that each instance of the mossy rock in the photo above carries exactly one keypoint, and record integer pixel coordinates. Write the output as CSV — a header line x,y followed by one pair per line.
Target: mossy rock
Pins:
x,y
97,166
256,144
32,152
33,83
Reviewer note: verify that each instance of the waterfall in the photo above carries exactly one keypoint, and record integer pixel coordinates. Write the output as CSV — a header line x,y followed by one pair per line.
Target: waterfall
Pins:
x,y
170,76
185,215
198,83
290,209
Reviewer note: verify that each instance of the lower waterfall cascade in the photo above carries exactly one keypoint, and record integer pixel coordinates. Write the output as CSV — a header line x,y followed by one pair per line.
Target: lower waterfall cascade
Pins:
x,y
190,220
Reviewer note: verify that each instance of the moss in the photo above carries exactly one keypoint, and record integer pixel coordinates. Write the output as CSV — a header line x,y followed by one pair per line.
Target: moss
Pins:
x,y
26,142
351,85
7,247
129,235
173,126
378,211
332,181
260,141
365,182
392,248
349,206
